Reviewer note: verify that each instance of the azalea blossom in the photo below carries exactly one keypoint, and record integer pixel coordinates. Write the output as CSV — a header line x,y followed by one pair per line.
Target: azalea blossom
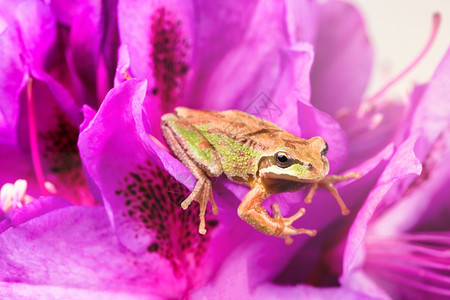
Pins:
x,y
139,243
42,96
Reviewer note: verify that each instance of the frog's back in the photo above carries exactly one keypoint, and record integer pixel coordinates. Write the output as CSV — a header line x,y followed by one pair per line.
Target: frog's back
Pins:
x,y
240,126
233,123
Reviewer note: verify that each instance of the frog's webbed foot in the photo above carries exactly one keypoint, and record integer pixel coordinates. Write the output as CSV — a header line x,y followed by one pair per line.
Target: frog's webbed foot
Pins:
x,y
286,229
328,183
202,193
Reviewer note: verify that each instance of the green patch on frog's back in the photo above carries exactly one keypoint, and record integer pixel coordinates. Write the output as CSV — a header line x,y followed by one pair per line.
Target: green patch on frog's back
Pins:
x,y
194,139
238,160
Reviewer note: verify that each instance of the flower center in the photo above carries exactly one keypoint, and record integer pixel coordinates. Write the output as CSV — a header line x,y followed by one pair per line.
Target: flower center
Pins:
x,y
412,265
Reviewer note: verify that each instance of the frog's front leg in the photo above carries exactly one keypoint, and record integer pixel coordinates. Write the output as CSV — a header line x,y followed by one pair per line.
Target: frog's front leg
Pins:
x,y
251,211
202,192
328,183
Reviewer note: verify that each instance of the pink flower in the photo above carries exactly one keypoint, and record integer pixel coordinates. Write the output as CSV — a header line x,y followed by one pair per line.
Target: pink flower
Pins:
x,y
256,57
398,245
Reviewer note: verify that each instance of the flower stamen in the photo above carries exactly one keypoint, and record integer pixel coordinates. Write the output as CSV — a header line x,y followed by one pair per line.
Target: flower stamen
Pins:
x,y
418,260
434,30
34,140
13,196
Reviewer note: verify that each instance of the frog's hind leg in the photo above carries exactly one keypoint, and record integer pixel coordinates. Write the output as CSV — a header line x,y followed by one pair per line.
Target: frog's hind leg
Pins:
x,y
202,191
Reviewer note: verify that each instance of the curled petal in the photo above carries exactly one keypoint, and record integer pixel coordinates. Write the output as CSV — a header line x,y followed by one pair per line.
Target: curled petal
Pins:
x,y
433,110
402,168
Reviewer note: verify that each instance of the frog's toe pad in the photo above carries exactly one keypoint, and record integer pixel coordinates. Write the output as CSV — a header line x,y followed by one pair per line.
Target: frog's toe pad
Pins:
x,y
287,230
202,193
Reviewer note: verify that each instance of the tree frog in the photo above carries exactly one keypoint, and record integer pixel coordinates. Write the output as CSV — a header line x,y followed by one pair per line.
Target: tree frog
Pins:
x,y
250,151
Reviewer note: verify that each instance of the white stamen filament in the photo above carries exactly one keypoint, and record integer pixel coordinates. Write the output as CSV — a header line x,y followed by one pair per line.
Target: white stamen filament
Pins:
x,y
419,261
13,196
375,121
401,75
50,187
6,195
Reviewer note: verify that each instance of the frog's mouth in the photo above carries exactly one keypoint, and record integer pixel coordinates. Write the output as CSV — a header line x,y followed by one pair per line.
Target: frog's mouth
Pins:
x,y
294,173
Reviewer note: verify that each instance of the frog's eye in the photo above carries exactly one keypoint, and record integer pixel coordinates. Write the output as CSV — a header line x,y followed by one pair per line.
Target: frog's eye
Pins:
x,y
324,150
282,159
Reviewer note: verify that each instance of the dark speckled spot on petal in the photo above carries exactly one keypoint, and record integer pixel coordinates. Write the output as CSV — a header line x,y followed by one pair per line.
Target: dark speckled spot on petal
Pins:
x,y
59,145
151,196
60,157
168,57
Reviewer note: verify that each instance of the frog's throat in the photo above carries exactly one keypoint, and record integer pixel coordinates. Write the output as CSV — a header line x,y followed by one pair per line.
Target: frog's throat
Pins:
x,y
276,185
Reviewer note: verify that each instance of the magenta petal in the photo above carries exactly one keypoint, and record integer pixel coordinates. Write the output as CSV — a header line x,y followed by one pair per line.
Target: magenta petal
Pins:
x,y
159,38
426,198
28,36
433,111
343,59
402,168
232,281
136,19
293,85
15,290
123,66
234,284
411,195
38,31
370,132
104,140
37,208
12,79
19,166
253,55
33,210
93,48
65,10
57,119
301,19
53,95
89,114
314,122
304,58
435,187
271,291
75,247
85,38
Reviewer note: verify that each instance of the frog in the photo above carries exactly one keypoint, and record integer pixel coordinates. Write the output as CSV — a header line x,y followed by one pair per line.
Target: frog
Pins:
x,y
251,151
